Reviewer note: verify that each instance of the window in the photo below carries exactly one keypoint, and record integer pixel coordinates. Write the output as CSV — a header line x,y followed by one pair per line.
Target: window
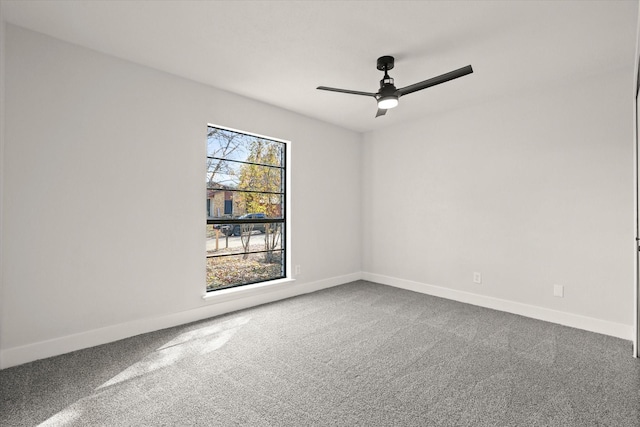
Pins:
x,y
246,221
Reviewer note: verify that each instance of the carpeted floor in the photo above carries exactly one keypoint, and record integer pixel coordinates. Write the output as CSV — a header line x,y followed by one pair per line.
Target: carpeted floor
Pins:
x,y
360,354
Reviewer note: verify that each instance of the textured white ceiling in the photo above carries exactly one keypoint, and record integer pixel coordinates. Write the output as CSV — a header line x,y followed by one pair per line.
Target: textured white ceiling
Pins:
x,y
279,51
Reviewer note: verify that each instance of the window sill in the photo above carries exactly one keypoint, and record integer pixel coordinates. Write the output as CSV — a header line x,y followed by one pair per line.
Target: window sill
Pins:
x,y
246,291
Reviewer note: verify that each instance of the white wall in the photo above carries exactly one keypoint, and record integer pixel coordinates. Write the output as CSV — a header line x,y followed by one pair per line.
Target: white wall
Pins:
x,y
531,191
103,221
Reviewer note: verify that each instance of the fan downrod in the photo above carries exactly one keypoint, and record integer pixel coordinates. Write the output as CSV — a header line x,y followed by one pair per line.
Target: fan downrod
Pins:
x,y
385,63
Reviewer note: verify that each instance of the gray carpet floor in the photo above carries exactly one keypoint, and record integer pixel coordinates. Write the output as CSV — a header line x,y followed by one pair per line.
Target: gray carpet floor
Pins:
x,y
359,354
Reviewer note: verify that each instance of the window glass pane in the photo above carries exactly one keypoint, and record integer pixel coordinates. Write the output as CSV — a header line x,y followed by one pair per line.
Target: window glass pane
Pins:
x,y
225,239
231,145
232,175
237,204
234,270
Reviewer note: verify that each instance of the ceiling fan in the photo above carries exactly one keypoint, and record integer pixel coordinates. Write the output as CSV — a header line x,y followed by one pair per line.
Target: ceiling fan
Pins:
x,y
388,95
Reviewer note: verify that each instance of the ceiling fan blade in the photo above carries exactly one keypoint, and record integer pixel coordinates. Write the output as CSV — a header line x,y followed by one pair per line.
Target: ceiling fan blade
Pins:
x,y
381,112
353,92
435,80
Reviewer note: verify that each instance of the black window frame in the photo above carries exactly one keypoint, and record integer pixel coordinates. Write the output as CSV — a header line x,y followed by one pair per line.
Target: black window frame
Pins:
x,y
282,220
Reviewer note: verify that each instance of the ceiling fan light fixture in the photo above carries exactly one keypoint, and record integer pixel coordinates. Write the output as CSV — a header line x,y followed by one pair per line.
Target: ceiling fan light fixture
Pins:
x,y
387,102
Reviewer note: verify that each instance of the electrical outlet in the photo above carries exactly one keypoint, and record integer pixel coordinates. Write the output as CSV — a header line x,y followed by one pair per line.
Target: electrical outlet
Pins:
x,y
558,291
477,277
297,270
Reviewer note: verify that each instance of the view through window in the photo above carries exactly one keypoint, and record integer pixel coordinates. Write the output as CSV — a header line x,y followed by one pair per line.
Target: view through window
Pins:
x,y
245,209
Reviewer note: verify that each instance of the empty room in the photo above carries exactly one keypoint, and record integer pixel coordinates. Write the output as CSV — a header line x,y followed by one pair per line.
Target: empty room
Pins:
x,y
345,213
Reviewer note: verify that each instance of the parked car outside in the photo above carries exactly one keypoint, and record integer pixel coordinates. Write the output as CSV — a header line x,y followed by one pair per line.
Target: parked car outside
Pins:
x,y
234,230
224,228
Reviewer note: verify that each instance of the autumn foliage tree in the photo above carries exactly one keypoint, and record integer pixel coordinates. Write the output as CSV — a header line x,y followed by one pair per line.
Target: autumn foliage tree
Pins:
x,y
265,182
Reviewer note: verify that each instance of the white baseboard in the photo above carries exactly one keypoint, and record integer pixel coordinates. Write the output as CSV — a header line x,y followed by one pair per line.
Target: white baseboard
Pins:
x,y
591,324
56,346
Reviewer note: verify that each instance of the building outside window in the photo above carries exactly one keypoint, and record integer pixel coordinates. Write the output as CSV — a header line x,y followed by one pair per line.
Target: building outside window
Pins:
x,y
246,196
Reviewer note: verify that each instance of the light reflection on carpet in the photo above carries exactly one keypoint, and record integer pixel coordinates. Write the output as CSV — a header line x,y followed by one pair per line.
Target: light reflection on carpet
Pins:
x,y
197,342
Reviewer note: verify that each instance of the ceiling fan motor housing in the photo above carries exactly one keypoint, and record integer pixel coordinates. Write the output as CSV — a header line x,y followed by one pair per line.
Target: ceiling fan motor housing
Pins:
x,y
386,89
